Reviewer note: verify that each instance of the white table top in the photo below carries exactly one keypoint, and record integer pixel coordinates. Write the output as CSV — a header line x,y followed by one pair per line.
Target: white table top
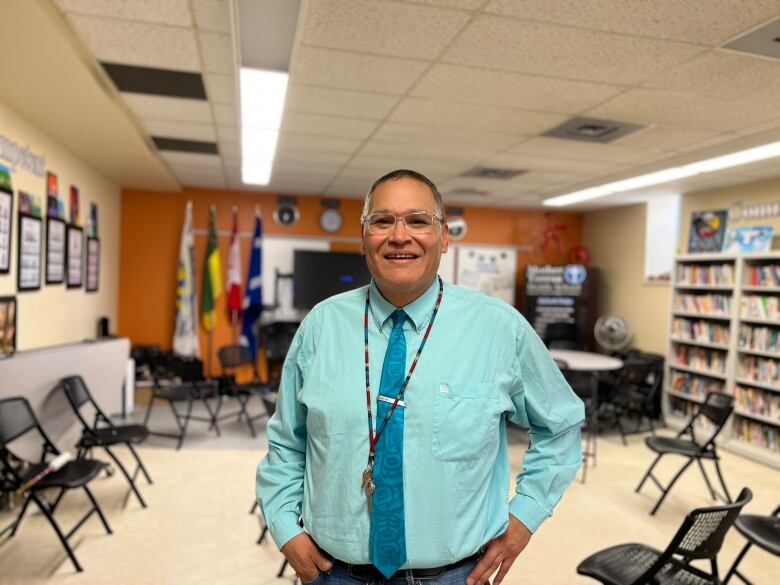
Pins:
x,y
586,361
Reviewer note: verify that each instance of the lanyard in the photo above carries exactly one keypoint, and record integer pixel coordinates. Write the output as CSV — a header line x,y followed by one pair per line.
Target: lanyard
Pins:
x,y
373,438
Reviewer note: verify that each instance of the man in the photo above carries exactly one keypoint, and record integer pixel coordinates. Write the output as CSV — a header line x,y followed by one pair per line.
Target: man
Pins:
x,y
419,491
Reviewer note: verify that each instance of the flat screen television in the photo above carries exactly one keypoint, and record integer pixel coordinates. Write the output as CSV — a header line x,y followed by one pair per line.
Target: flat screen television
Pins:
x,y
319,275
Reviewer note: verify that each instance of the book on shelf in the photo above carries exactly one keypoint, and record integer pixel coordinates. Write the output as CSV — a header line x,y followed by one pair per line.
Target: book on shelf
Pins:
x,y
759,369
759,338
700,330
712,360
756,433
705,304
766,275
693,385
708,274
764,403
760,307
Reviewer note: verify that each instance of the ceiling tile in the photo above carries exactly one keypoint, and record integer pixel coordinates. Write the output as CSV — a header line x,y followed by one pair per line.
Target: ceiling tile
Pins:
x,y
207,180
335,102
453,155
192,162
437,112
217,53
138,43
213,15
347,189
327,126
387,28
220,89
545,49
344,70
323,143
309,157
648,106
459,4
297,186
707,22
373,167
661,138
168,108
184,130
229,148
513,89
544,146
225,114
725,76
228,134
173,12
469,139
538,163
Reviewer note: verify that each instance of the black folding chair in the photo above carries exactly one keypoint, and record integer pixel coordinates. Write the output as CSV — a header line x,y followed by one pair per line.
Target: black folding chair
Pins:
x,y
585,385
700,537
16,419
104,433
763,531
232,358
180,380
629,395
716,409
561,335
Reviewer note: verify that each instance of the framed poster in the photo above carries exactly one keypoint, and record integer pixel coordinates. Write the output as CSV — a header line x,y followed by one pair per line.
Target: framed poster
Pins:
x,y
748,239
93,264
6,213
708,229
7,325
74,257
28,272
55,250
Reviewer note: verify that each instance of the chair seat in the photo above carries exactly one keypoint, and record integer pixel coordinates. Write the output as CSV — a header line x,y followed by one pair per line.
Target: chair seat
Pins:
x,y
73,474
185,391
245,389
115,435
679,446
625,563
763,531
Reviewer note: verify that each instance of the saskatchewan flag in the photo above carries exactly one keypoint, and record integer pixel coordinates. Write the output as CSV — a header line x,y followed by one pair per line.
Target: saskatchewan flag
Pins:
x,y
212,276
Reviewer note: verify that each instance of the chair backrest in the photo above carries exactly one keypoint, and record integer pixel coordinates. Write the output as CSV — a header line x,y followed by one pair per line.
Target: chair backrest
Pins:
x,y
234,356
16,419
277,338
635,371
717,407
562,336
78,395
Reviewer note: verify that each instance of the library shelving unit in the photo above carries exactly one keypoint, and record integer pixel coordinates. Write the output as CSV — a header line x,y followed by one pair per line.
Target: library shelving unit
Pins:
x,y
725,337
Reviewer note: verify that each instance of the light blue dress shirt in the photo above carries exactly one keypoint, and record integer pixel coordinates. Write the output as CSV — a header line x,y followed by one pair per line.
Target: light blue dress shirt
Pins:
x,y
482,363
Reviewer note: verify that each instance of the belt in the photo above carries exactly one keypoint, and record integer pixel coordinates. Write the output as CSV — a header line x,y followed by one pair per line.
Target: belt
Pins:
x,y
371,573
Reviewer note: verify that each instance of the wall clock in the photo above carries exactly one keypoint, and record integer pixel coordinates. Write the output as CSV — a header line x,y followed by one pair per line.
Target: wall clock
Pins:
x,y
331,220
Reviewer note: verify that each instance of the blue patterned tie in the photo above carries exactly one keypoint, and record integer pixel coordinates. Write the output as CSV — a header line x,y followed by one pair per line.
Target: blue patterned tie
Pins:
x,y
387,540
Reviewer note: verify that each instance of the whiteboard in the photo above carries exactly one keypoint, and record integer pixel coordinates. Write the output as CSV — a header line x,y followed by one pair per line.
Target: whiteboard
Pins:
x,y
488,269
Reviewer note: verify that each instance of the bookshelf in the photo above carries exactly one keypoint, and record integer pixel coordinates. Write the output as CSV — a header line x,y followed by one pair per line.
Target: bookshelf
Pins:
x,y
725,337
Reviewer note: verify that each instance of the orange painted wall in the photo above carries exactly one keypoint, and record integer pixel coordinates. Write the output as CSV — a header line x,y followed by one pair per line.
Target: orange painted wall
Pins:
x,y
151,228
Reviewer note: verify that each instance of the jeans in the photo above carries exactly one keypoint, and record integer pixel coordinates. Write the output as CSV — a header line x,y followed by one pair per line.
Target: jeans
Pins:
x,y
338,576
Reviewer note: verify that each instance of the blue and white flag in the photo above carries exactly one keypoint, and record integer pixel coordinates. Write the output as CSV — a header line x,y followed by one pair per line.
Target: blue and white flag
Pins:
x,y
253,297
185,336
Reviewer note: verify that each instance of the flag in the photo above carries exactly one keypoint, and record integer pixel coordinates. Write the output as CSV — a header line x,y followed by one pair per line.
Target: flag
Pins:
x,y
233,284
212,276
253,298
185,335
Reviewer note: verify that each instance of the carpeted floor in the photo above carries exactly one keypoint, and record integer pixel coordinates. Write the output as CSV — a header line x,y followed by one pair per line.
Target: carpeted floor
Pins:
x,y
198,530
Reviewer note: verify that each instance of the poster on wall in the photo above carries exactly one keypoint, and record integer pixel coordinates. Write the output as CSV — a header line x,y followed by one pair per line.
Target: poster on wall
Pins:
x,y
28,273
708,229
54,206
93,264
55,251
7,325
6,215
748,239
74,258
488,269
93,221
29,204
74,206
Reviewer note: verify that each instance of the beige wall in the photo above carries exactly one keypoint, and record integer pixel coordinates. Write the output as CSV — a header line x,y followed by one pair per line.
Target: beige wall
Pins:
x,y
55,314
616,240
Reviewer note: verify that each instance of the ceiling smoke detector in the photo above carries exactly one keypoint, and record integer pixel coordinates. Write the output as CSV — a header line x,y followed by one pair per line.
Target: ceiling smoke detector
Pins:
x,y
492,173
592,130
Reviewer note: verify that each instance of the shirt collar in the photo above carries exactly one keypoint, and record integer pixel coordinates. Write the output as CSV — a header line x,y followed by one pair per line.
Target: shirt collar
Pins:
x,y
419,311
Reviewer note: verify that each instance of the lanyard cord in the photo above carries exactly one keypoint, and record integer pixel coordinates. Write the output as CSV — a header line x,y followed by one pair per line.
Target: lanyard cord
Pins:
x,y
373,438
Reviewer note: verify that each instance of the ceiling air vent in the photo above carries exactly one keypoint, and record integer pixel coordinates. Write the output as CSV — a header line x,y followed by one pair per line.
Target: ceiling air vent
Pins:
x,y
592,130
764,41
492,173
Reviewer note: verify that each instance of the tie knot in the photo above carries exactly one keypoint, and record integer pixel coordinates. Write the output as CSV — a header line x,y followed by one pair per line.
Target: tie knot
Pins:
x,y
399,316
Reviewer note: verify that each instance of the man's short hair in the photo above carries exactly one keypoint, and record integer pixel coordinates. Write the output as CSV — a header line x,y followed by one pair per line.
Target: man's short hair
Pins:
x,y
402,174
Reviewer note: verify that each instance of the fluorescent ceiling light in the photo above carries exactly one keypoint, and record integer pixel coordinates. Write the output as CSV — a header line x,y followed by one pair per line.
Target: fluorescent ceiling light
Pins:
x,y
262,105
705,166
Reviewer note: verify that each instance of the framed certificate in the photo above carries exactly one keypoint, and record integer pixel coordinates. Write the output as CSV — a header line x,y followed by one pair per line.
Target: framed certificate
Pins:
x,y
28,273
6,213
55,250
74,257
7,325
93,264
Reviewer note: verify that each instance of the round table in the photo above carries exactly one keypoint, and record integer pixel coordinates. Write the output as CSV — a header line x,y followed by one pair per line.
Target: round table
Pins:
x,y
586,361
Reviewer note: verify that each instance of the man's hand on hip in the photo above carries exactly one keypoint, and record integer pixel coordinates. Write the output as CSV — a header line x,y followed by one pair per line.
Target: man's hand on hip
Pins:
x,y
305,558
500,553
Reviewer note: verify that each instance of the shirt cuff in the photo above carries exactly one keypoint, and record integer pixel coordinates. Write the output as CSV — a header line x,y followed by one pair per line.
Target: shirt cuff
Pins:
x,y
284,528
528,511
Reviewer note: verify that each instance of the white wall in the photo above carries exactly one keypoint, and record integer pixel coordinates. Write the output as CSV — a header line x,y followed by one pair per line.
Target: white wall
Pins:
x,y
55,314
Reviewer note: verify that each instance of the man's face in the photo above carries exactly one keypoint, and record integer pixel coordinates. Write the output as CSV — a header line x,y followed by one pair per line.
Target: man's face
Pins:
x,y
404,264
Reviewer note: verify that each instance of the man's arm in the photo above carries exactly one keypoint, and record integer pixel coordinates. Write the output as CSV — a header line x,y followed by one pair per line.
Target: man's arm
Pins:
x,y
546,405
280,474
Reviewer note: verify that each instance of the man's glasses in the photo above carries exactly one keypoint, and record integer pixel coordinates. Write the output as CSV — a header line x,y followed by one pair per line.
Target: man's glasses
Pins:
x,y
416,222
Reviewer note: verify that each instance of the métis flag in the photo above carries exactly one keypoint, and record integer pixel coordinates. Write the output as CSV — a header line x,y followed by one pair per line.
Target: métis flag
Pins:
x,y
233,284
212,276
253,298
185,335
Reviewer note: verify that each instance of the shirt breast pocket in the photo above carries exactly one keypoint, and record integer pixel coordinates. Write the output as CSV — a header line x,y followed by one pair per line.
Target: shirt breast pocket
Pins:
x,y
465,420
